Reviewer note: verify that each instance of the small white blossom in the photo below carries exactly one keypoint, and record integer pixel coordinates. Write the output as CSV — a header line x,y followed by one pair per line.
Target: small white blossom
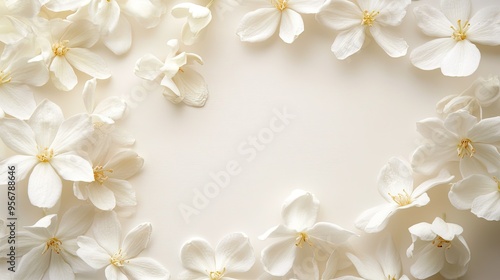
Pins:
x,y
48,145
233,254
454,51
198,17
119,258
302,238
395,185
440,248
460,137
262,23
180,82
356,18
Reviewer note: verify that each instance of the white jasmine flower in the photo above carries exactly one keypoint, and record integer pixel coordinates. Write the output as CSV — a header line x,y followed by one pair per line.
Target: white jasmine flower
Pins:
x,y
180,82
49,248
386,266
119,258
455,52
440,248
233,254
395,185
110,187
67,46
480,193
262,23
460,137
198,17
482,93
356,18
302,237
13,19
16,77
47,144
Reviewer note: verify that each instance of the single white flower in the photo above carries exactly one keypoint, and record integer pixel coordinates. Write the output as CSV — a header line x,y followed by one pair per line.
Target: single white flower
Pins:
x,y
440,247
480,193
302,237
48,144
356,18
180,82
262,23
455,52
395,185
119,258
386,266
49,248
16,77
112,17
482,93
198,17
66,46
233,254
14,16
460,137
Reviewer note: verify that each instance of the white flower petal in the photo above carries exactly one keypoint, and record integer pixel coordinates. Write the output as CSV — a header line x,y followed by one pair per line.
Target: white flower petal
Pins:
x,y
93,254
112,107
394,46
45,122
460,123
458,252
348,42
18,136
63,5
300,210
484,27
23,164
148,67
59,269
33,263
81,34
463,193
430,261
62,74
124,164
434,130
44,228
33,73
114,273
192,86
44,186
432,21
340,15
456,9
453,271
136,240
305,265
88,62
192,275
485,159
291,26
447,231
88,94
107,229
277,231
146,268
235,253
72,167
430,55
462,60
105,14
422,231
197,255
72,133
388,256
306,6
392,12
279,257
71,258
367,268
329,233
123,191
443,178
119,40
102,197
486,131
487,206
75,222
147,13
428,158
17,100
375,219
395,178
259,25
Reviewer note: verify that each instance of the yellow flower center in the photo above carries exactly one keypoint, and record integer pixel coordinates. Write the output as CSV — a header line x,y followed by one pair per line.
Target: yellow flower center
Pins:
x,y
4,77
389,277
402,199
117,259
460,33
369,17
465,148
216,275
100,174
45,155
280,4
54,244
498,182
60,48
301,239
440,242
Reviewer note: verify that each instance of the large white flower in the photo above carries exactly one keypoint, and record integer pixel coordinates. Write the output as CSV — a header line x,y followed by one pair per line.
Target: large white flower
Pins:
x,y
13,19
49,249
386,266
302,238
440,248
47,144
262,23
233,254
460,137
66,45
180,82
355,19
455,52
120,258
395,185
480,193
198,17
16,77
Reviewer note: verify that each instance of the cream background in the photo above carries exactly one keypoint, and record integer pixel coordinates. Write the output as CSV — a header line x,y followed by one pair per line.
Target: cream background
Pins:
x,y
350,117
